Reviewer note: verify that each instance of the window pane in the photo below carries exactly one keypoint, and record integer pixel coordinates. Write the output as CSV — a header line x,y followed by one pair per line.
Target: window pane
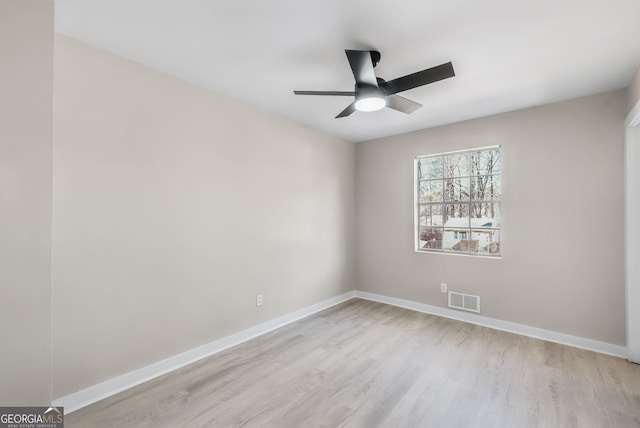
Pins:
x,y
456,215
430,167
486,187
486,162
488,240
456,189
456,239
430,238
431,215
430,191
456,165
485,214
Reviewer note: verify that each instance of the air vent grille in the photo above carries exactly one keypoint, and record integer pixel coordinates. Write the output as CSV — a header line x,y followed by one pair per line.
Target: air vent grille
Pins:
x,y
465,302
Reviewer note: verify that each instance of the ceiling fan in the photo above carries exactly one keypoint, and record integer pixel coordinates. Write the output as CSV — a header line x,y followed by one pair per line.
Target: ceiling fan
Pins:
x,y
373,93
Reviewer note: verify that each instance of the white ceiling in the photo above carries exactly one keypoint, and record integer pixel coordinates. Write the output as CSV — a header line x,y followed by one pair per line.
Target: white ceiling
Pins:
x,y
507,54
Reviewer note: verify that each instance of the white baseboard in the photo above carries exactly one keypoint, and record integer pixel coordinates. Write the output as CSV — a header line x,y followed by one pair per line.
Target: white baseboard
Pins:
x,y
82,398
85,397
524,330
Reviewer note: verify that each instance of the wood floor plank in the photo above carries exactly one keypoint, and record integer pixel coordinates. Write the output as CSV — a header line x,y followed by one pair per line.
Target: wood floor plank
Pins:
x,y
367,364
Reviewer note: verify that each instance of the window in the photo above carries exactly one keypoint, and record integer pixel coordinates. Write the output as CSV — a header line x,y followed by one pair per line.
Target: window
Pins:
x,y
458,198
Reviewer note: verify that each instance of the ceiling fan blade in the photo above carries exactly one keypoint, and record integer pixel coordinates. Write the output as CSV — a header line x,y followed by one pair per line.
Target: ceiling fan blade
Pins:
x,y
424,77
337,93
402,104
362,67
346,112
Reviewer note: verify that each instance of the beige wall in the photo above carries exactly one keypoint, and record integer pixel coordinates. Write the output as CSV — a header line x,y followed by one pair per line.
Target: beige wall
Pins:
x,y
26,82
174,207
562,268
633,94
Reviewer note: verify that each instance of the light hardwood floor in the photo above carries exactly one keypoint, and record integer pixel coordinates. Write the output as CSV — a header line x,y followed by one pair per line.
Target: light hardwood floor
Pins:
x,y
366,364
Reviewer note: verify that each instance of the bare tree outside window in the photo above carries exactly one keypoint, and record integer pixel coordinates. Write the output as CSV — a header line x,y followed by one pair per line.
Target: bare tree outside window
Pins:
x,y
458,202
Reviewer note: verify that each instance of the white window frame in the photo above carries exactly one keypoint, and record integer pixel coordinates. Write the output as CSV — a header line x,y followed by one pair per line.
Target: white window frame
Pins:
x,y
468,230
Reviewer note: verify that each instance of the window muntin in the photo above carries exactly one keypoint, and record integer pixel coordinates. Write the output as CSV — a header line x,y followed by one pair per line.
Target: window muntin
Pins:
x,y
458,201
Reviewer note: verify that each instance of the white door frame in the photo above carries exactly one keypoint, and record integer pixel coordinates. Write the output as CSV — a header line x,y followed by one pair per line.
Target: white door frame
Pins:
x,y
632,231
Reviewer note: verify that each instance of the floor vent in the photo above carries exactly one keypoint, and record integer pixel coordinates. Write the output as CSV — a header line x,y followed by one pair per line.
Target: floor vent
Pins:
x,y
466,302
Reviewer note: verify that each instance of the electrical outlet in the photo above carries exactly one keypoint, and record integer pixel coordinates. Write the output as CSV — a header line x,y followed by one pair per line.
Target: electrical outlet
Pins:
x,y
259,300
443,287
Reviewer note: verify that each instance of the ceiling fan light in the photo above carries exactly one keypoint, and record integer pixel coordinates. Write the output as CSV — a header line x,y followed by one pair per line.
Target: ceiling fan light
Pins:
x,y
370,103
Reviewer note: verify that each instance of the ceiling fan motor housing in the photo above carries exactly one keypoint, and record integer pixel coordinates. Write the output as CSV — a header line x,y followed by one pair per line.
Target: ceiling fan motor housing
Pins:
x,y
370,98
375,57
